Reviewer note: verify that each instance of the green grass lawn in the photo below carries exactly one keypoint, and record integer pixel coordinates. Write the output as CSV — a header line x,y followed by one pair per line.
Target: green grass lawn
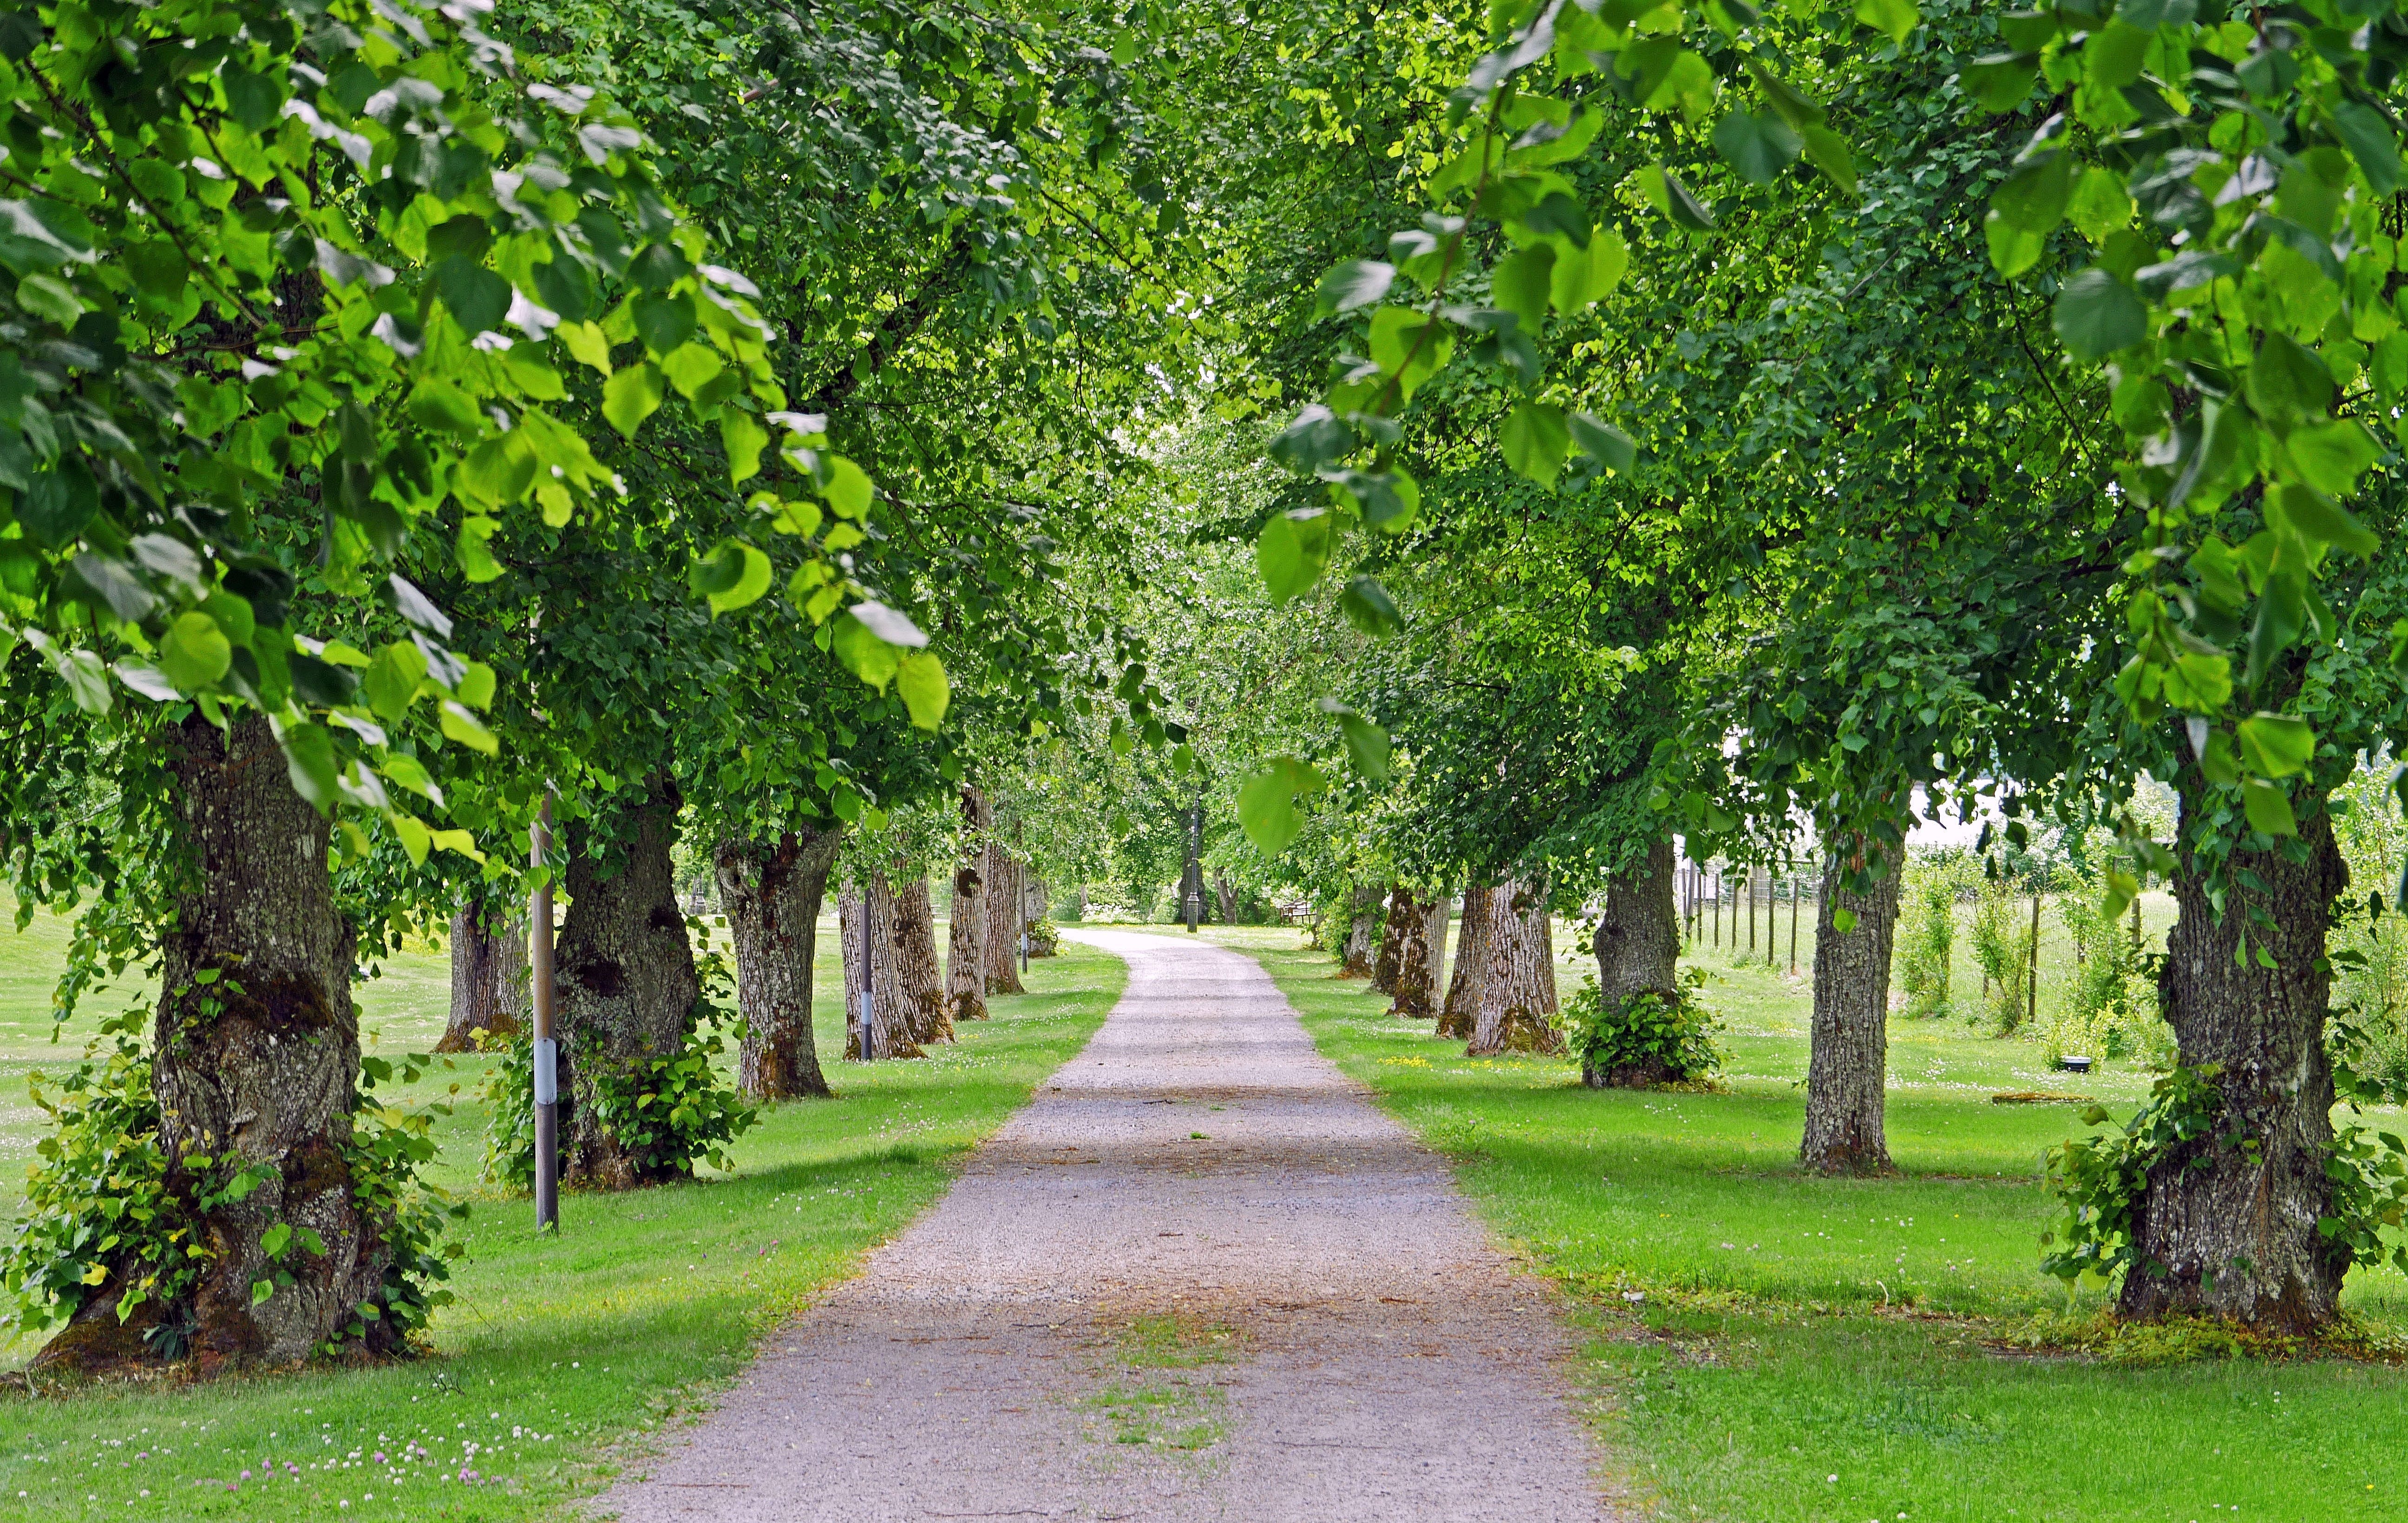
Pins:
x,y
1807,1350
561,1354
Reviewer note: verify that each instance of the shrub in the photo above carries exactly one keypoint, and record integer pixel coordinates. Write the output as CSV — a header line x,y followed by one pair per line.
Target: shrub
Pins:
x,y
1647,1040
677,1110
1045,937
1926,933
2002,945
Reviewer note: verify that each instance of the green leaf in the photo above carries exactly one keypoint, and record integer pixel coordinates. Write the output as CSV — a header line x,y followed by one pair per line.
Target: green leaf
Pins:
x,y
2097,314
2320,521
478,298
2371,142
1758,147
1267,803
1367,745
2268,807
459,725
741,434
273,1240
1893,18
1600,440
260,1290
920,677
194,653
2332,456
586,344
1368,608
466,845
1292,552
2012,251
1536,441
864,655
2277,745
664,322
690,367
87,680
631,396
2034,197
1522,284
1830,152
733,576
2099,205
2287,379
1358,282
1665,192
309,762
847,489
1583,275
393,677
1843,920
1411,345
441,408
473,551
2000,81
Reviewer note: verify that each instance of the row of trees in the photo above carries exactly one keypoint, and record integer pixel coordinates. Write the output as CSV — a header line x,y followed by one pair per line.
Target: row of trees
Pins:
x,y
416,421
1762,434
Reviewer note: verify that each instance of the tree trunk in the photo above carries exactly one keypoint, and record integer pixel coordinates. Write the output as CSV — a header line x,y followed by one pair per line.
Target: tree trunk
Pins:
x,y
489,977
1362,926
877,902
1637,948
1036,904
1470,965
626,981
771,895
1518,997
1390,957
1003,923
1225,893
911,947
2225,1231
965,940
1848,1065
1419,956
256,1065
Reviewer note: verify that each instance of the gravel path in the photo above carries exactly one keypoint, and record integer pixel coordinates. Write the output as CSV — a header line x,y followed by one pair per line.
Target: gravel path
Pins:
x,y
1292,1316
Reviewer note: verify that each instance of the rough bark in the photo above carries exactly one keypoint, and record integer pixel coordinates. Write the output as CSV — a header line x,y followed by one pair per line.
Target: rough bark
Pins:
x,y
627,985
1419,956
1638,949
966,938
1036,903
1470,965
257,1066
1393,932
912,948
1003,923
1362,928
1225,893
1517,998
771,895
875,901
1847,1068
489,977
2221,1230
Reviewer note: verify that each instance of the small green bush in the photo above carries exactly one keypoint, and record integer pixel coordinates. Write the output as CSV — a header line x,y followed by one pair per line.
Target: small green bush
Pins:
x,y
1645,1042
1045,937
1927,932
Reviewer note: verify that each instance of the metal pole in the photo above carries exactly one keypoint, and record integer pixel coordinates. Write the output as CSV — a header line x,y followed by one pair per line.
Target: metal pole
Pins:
x,y
2032,1003
1795,889
547,1037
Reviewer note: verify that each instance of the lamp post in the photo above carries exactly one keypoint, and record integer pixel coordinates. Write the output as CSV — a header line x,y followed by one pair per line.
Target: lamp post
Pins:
x,y
547,1042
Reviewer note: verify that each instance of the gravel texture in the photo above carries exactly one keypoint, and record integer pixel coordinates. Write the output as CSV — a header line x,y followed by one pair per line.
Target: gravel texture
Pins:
x,y
1291,1316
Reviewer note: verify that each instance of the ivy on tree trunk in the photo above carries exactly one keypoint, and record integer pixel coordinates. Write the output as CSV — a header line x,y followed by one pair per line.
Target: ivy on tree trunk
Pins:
x,y
626,981
1419,959
771,895
2228,1224
1638,950
256,1063
1362,928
